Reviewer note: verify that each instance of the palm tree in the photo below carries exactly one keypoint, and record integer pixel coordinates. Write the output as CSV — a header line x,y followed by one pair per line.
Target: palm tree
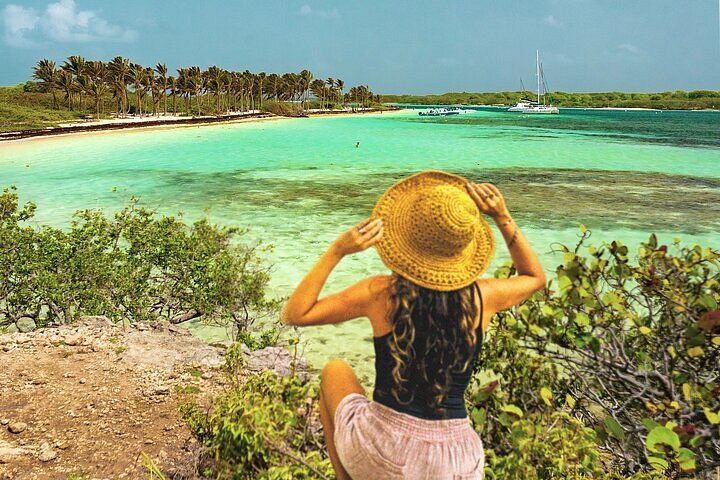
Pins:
x,y
162,70
48,75
119,74
237,86
66,82
331,88
250,82
306,77
215,83
75,64
138,81
339,87
172,83
95,83
318,90
195,85
260,79
155,86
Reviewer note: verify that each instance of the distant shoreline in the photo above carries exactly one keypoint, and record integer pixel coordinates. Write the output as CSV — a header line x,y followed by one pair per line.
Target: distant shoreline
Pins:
x,y
150,122
640,109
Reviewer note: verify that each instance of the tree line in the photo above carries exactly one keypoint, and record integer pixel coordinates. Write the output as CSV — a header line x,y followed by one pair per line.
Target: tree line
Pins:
x,y
214,90
679,99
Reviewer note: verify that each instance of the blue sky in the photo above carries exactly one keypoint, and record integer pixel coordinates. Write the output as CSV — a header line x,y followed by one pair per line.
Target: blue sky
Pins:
x,y
408,46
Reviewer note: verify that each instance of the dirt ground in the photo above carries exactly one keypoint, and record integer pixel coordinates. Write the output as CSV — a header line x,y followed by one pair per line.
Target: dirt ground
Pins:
x,y
96,400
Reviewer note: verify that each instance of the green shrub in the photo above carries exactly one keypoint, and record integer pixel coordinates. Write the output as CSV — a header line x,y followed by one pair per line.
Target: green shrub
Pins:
x,y
627,346
290,109
265,426
134,266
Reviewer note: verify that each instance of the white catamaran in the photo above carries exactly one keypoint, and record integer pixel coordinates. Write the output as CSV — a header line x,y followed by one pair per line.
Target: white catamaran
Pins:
x,y
536,107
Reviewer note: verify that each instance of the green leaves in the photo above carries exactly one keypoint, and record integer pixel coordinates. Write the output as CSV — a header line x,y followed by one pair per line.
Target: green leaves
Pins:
x,y
546,395
613,428
134,265
513,410
264,425
662,439
635,337
712,417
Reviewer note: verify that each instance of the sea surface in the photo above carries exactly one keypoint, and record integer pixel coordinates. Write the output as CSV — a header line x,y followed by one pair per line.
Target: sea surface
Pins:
x,y
298,183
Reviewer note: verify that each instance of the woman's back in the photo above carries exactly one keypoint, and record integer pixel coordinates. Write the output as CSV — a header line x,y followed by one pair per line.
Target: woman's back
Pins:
x,y
428,320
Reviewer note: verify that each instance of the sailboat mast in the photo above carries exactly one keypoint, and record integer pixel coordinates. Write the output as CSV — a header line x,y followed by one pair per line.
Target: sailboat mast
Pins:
x,y
537,66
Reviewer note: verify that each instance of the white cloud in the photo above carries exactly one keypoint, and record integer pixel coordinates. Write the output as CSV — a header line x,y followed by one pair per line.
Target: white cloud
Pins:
x,y
18,22
307,11
629,47
553,22
60,22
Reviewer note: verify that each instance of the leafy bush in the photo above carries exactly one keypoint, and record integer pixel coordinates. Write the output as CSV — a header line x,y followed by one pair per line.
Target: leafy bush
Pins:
x,y
627,348
290,109
134,266
265,427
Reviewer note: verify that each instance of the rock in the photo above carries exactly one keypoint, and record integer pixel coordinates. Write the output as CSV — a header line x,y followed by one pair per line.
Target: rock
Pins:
x,y
73,340
277,359
178,330
62,444
158,390
4,421
46,453
12,328
206,375
8,451
83,381
17,427
95,321
25,324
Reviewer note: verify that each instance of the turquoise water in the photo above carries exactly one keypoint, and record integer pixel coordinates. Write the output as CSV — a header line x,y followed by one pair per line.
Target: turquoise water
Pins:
x,y
296,183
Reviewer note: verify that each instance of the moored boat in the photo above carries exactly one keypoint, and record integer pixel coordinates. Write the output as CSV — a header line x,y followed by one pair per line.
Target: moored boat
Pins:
x,y
526,106
438,112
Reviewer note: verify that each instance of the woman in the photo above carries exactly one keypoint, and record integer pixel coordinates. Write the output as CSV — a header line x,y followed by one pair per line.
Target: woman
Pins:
x,y
428,319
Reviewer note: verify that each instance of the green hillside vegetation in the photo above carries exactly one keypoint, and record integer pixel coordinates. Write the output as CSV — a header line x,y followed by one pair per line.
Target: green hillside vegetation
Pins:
x,y
678,100
610,372
82,88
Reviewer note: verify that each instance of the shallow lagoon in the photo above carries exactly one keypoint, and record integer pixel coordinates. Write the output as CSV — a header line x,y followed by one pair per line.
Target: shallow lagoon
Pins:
x,y
297,183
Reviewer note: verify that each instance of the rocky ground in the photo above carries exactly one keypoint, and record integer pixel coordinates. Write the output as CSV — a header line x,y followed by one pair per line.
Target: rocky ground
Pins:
x,y
96,400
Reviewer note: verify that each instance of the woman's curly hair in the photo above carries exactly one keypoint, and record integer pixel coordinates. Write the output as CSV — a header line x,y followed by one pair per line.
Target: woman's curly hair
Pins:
x,y
433,335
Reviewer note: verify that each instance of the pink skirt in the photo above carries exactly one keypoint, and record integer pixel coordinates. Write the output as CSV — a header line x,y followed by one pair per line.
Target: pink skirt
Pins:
x,y
374,441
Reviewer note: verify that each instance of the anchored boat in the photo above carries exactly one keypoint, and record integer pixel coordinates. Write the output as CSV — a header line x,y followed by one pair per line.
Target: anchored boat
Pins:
x,y
526,106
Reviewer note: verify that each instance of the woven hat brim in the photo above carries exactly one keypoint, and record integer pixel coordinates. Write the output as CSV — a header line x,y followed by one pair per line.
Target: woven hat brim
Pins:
x,y
424,269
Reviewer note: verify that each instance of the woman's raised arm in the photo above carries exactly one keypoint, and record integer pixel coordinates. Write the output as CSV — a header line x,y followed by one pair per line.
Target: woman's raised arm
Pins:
x,y
303,307
505,293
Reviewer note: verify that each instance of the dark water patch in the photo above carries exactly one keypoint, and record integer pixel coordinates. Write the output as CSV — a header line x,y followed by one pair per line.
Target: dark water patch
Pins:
x,y
539,198
684,129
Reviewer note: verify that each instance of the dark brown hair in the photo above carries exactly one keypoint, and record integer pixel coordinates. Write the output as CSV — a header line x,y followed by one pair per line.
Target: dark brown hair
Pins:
x,y
433,335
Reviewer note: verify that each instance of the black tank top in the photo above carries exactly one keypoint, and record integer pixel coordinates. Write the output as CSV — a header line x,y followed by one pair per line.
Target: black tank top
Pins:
x,y
453,406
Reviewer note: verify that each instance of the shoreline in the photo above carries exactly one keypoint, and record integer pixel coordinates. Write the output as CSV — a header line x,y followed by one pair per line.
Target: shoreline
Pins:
x,y
497,106
136,123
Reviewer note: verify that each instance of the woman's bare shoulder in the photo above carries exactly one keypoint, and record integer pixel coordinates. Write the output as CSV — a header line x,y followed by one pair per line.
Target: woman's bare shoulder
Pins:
x,y
379,284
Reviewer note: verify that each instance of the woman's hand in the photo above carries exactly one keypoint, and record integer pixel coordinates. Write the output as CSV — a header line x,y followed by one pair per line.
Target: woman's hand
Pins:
x,y
361,237
488,199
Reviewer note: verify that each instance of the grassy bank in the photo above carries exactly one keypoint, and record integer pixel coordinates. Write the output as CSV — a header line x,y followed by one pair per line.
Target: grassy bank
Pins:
x,y
24,108
678,100
20,110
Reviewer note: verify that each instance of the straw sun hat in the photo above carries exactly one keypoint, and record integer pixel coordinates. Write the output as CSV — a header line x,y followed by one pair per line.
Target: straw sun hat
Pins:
x,y
434,233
